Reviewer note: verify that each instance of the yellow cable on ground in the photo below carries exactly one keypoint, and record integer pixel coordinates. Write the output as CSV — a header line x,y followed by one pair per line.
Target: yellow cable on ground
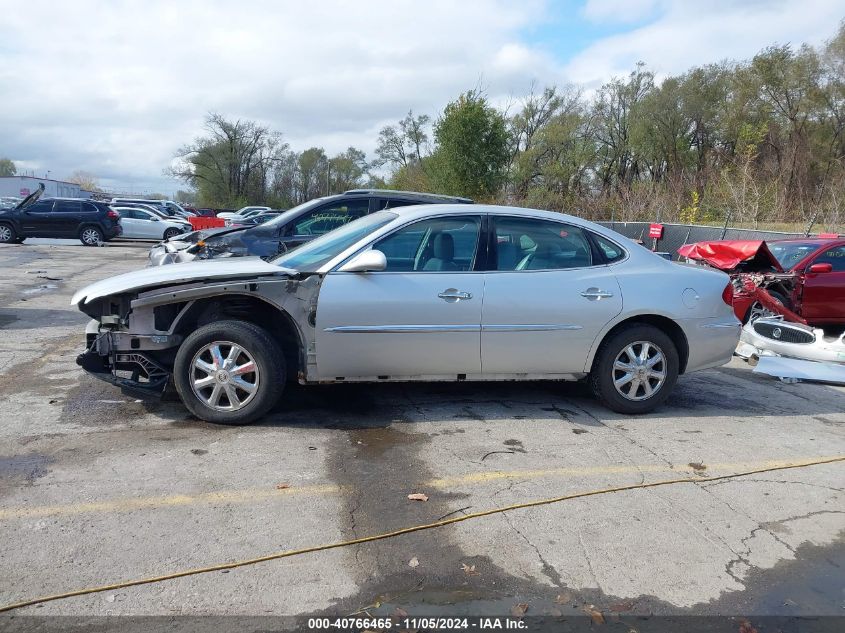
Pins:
x,y
407,530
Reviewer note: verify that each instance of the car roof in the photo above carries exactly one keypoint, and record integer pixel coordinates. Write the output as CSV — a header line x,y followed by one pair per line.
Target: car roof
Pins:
x,y
416,195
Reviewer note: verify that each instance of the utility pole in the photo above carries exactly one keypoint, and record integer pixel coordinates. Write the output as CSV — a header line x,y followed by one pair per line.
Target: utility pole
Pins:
x,y
328,173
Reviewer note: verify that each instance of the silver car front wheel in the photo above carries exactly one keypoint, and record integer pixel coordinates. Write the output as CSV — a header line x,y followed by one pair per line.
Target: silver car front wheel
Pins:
x,y
224,376
229,372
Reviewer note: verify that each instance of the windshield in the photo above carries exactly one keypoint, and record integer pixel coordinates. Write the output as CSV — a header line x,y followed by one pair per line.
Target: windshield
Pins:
x,y
311,256
790,253
282,218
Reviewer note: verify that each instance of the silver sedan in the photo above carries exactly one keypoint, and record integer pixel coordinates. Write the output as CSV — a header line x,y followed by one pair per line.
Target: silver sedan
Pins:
x,y
436,292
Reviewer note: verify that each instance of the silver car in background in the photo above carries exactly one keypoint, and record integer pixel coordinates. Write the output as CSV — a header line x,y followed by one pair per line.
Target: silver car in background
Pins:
x,y
140,224
435,292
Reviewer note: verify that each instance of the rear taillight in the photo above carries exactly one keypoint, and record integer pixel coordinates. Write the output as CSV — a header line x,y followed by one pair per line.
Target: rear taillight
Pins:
x,y
728,294
114,215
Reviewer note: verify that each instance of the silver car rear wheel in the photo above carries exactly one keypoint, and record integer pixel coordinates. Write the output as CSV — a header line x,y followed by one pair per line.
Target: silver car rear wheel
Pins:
x,y
635,368
639,371
224,376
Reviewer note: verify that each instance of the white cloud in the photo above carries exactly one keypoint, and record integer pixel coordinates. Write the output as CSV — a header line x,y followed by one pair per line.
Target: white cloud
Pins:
x,y
694,33
618,10
116,87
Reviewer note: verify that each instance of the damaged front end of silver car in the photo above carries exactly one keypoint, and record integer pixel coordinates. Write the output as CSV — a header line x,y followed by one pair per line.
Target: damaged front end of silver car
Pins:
x,y
135,334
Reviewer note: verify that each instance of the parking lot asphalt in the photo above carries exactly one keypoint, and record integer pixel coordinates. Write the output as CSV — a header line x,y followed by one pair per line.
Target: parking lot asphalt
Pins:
x,y
97,487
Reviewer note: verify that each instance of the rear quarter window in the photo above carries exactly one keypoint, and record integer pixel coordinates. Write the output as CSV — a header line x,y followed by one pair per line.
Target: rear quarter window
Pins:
x,y
611,252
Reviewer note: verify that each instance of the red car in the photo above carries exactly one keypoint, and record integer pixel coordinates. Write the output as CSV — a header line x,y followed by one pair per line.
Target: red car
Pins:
x,y
806,275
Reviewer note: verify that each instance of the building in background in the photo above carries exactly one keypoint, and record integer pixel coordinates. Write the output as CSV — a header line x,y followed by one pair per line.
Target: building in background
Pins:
x,y
22,186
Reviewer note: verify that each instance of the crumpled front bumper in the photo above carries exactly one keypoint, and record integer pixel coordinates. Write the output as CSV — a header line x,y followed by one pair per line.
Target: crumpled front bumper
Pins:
x,y
134,372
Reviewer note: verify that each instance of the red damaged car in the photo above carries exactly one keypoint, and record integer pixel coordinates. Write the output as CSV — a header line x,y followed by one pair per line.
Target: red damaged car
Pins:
x,y
802,279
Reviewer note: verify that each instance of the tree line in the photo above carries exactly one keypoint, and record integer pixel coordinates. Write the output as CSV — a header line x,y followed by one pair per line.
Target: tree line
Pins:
x,y
754,141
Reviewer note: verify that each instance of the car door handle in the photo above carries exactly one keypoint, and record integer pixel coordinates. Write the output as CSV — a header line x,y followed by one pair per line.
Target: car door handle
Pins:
x,y
596,293
452,295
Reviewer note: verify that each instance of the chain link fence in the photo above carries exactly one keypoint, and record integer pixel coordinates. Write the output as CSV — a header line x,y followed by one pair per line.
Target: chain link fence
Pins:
x,y
676,235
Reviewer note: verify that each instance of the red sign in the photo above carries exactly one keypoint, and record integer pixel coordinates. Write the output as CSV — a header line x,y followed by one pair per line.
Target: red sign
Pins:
x,y
24,192
655,231
828,236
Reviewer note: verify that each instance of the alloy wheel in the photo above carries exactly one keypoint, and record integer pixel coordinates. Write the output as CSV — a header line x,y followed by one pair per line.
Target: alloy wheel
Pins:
x,y
639,370
224,376
5,233
91,236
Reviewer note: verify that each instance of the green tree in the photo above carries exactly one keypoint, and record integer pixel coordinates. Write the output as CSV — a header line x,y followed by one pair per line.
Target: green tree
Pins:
x,y
472,148
231,165
7,167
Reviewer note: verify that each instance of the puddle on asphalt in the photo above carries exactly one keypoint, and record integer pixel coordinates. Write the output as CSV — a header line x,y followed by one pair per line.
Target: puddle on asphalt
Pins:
x,y
26,467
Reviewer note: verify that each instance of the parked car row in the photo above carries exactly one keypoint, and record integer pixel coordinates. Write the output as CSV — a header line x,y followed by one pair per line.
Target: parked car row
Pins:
x,y
90,221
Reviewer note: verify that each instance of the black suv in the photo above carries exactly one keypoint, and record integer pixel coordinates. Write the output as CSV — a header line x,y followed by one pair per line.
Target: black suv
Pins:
x,y
86,220
291,228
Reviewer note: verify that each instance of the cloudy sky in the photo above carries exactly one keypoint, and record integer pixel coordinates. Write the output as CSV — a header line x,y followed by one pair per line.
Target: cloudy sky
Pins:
x,y
115,87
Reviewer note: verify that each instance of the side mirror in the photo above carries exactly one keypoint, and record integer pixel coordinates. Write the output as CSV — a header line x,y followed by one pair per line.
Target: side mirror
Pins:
x,y
369,261
824,267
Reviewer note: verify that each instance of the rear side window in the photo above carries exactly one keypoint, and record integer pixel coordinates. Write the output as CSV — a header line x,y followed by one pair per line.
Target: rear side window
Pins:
x,y
89,207
532,244
392,203
68,206
329,217
612,252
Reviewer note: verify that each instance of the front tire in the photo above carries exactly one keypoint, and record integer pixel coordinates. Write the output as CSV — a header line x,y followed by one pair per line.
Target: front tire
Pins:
x,y
229,372
8,234
91,236
635,369
170,233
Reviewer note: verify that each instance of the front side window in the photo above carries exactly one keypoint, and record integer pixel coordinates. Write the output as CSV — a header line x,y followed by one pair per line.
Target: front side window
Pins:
x,y
45,206
311,256
329,217
448,244
532,244
834,256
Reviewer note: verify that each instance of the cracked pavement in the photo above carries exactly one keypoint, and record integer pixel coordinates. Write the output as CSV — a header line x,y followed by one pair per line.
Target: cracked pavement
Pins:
x,y
97,487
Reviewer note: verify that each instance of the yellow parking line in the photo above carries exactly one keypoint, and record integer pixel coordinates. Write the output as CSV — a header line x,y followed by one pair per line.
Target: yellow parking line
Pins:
x,y
452,482
139,503
496,475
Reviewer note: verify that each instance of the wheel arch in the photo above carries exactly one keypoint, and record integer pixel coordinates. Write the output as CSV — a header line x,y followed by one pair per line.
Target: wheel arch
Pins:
x,y
252,309
660,321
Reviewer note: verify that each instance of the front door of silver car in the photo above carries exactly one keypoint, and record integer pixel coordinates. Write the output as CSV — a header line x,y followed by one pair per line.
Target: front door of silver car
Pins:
x,y
546,299
420,316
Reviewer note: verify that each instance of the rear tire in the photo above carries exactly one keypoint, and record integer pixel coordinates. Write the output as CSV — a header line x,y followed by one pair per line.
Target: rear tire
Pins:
x,y
635,385
225,391
8,234
90,236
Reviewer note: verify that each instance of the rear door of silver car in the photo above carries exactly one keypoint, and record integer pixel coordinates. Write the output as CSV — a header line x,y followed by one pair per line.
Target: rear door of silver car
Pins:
x,y
546,299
